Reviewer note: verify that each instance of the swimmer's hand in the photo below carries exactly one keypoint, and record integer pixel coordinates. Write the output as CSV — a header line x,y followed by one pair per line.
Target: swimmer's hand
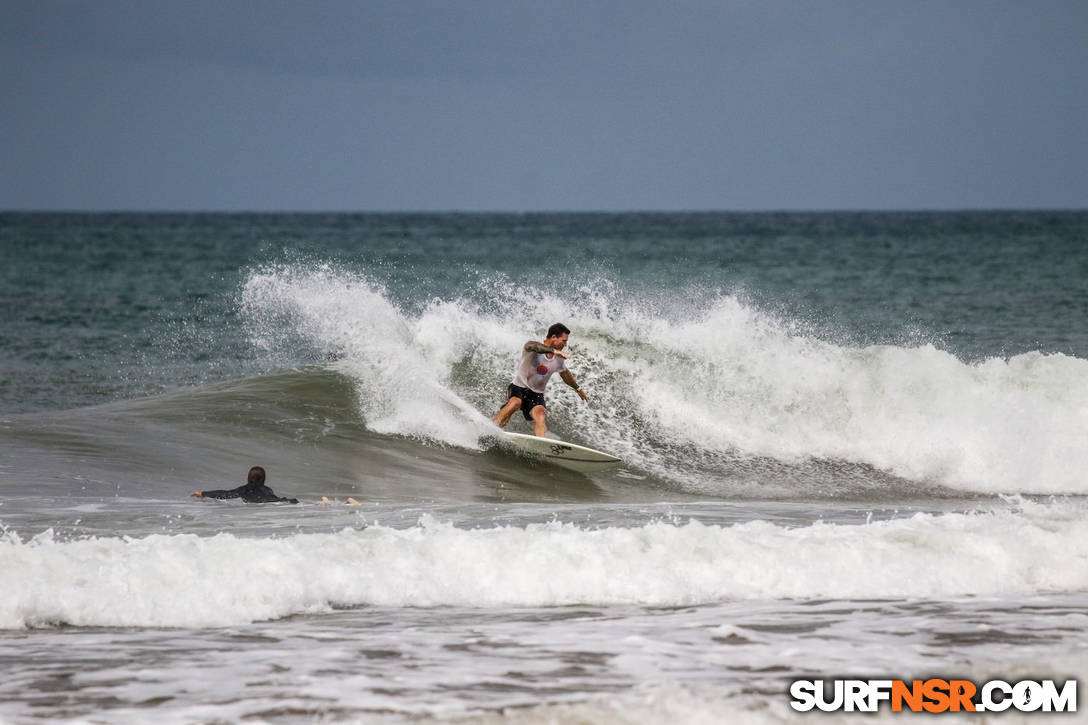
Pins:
x,y
198,494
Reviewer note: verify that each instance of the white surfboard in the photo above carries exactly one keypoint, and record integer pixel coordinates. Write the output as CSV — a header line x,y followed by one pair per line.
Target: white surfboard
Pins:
x,y
560,453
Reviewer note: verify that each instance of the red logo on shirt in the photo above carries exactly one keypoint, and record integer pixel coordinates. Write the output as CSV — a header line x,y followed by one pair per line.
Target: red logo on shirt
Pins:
x,y
541,369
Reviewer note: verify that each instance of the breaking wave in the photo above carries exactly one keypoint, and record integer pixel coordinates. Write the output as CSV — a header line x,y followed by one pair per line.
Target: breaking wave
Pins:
x,y
191,581
686,385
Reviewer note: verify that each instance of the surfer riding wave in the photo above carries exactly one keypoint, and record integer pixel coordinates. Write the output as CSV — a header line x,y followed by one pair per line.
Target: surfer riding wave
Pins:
x,y
539,361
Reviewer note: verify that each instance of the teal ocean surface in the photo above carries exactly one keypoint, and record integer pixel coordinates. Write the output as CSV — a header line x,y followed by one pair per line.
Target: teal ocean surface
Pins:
x,y
853,443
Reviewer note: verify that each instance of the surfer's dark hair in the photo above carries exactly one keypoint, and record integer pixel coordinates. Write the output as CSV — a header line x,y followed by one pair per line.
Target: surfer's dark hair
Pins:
x,y
256,475
558,329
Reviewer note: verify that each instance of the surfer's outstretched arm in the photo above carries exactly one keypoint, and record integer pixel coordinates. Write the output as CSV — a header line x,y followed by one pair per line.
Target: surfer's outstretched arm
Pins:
x,y
534,346
223,493
569,380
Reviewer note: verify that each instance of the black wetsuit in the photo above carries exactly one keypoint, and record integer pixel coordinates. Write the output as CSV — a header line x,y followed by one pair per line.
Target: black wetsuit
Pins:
x,y
251,493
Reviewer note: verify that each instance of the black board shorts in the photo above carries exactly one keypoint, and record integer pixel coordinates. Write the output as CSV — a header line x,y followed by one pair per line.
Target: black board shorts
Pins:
x,y
529,399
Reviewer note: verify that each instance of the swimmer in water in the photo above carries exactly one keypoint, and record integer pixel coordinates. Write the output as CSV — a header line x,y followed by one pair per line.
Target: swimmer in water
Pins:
x,y
253,492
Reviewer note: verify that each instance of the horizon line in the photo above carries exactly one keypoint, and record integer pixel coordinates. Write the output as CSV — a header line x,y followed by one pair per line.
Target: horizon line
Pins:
x,y
570,212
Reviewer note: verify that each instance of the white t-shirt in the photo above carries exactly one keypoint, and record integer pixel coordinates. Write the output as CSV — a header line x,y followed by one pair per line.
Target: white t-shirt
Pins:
x,y
535,369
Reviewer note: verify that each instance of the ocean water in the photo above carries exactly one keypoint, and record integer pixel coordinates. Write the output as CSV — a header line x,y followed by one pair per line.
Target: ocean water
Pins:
x,y
853,444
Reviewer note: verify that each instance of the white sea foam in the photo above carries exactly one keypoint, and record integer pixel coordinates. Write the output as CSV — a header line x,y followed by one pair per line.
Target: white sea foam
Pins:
x,y
735,380
672,380
192,581
402,382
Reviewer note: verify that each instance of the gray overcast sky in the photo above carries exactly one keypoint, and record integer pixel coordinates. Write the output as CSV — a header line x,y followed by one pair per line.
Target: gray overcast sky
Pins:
x,y
536,105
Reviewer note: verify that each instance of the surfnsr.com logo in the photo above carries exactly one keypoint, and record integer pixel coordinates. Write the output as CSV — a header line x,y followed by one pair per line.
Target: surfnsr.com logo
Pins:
x,y
933,695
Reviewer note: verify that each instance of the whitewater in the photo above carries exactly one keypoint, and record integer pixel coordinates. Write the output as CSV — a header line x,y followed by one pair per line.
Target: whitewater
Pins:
x,y
190,581
717,378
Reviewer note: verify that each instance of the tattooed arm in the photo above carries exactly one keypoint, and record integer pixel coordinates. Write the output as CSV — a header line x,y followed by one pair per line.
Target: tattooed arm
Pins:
x,y
534,346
